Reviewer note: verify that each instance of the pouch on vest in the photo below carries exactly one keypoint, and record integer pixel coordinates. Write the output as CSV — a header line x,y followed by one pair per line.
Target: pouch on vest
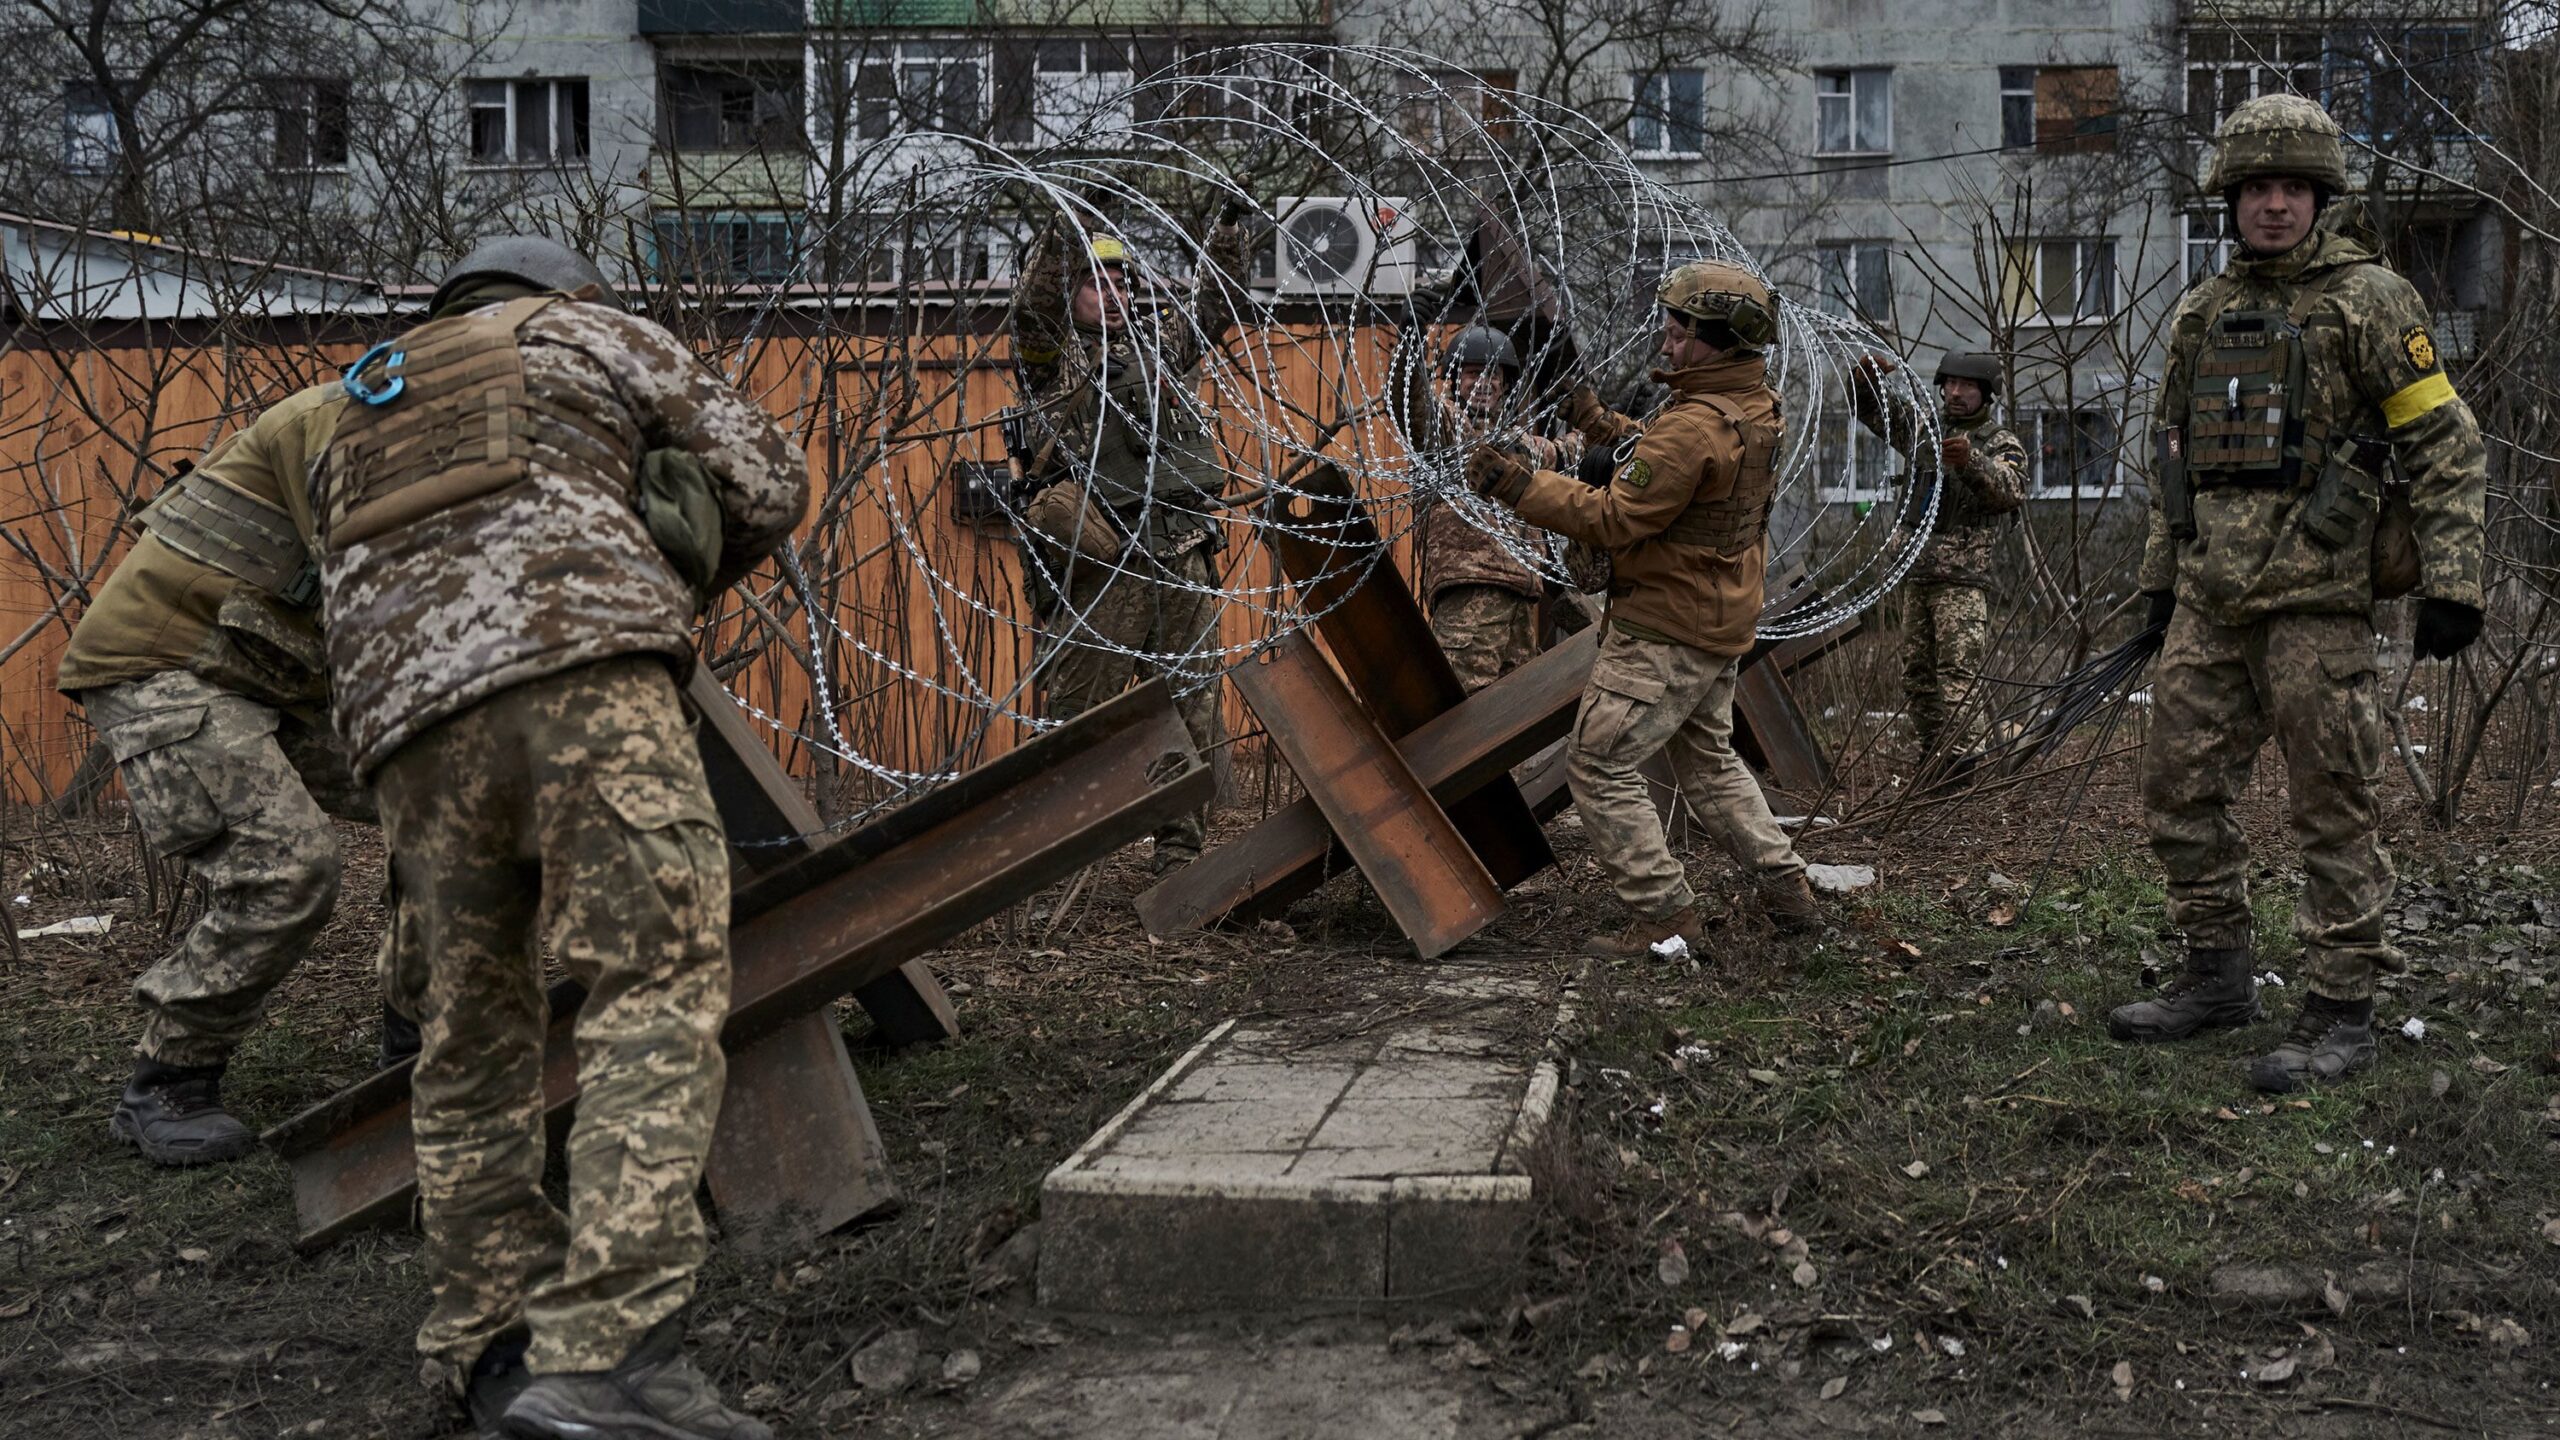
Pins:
x,y
681,507
2343,499
1065,515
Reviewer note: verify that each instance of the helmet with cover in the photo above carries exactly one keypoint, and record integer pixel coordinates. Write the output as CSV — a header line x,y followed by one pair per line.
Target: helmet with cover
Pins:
x,y
1974,365
2279,135
1715,292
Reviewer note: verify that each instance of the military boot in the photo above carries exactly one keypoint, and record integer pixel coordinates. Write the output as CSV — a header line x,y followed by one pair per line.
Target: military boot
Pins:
x,y
654,1392
1169,857
400,1040
496,1379
2216,991
174,1116
1641,937
1790,905
2331,1039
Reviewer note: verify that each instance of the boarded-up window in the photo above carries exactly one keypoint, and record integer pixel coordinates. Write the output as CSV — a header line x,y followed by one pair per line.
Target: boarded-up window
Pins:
x,y
2076,108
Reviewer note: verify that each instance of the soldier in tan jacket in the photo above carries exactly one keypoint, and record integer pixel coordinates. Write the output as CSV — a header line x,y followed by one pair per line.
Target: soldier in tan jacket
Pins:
x,y
1685,521
199,663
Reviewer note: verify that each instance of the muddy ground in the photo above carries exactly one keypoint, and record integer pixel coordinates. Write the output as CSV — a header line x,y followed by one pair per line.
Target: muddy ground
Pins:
x,y
1892,1181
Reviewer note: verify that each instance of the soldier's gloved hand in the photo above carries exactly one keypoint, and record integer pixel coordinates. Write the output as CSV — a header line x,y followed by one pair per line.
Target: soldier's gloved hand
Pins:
x,y
2164,603
2445,628
1955,452
1872,368
1497,474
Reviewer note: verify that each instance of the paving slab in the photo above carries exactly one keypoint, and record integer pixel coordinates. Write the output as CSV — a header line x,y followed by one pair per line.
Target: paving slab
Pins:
x,y
1362,1159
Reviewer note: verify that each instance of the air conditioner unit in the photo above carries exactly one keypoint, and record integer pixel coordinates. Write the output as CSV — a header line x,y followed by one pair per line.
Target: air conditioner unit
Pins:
x,y
1344,245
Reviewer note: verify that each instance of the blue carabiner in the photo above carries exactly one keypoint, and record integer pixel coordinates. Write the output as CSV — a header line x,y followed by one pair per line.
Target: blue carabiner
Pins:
x,y
391,368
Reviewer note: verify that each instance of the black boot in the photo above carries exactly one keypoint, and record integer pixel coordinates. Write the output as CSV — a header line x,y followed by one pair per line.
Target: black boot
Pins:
x,y
2331,1039
174,1116
655,1391
2215,992
399,1040
496,1379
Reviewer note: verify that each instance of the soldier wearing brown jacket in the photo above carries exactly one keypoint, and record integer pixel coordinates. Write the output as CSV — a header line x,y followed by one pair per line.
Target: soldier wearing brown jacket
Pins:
x,y
1481,596
1685,522
519,520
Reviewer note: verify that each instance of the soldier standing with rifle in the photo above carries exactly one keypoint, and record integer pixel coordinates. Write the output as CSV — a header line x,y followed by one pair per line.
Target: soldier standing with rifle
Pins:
x,y
1980,469
2293,378
519,521
1685,521
1127,475
200,665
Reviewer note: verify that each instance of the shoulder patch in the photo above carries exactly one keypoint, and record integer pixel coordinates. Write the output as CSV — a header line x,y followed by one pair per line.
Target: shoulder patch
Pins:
x,y
1636,474
2419,347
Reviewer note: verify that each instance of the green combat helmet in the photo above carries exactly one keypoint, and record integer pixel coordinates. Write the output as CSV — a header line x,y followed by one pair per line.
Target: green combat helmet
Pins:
x,y
1973,365
2278,135
1716,292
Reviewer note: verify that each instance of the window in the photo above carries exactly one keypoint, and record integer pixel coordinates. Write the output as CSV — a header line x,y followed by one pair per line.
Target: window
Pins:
x,y
528,122
1073,85
89,143
2060,281
1854,111
749,107
2208,242
2071,450
2058,109
921,86
1857,277
1850,459
897,250
2226,67
759,249
2411,84
1465,109
311,123
1669,117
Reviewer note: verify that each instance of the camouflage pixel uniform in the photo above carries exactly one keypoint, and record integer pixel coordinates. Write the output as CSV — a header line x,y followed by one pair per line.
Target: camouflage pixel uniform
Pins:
x,y
1947,595
502,632
209,690
2273,631
1685,521
1114,418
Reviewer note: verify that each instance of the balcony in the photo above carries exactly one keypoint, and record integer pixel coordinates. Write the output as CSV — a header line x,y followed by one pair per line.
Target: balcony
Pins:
x,y
700,180
2457,335
720,17
1154,15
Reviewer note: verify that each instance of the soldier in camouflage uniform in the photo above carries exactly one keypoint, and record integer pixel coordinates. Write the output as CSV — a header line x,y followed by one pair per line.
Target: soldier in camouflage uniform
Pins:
x,y
2293,378
199,663
1482,598
519,523
1122,539
1685,521
1984,469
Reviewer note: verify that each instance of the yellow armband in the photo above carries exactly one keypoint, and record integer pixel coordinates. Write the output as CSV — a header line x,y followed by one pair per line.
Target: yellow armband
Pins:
x,y
2419,398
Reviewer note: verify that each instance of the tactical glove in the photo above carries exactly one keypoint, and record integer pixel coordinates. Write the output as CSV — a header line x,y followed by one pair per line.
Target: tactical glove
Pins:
x,y
1497,474
2163,604
2445,628
1955,452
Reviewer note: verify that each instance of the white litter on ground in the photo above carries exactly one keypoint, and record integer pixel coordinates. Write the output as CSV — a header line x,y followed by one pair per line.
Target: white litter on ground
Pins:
x,y
76,925
1840,879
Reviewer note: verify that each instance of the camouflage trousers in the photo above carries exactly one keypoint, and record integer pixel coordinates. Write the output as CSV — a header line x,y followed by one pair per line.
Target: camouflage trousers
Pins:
x,y
1646,698
571,808
1083,654
242,791
2219,693
1943,634
1486,631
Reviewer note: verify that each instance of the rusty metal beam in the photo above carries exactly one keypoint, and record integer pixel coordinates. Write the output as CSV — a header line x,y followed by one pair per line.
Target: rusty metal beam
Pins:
x,y
1422,869
825,924
1458,754
1369,619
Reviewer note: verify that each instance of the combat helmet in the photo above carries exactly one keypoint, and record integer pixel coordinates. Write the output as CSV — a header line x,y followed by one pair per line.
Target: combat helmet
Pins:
x,y
535,260
2279,135
1482,345
1973,365
1718,292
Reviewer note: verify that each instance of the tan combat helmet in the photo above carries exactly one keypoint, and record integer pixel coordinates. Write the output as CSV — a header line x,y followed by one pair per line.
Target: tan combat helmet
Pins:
x,y
1725,294
2278,135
